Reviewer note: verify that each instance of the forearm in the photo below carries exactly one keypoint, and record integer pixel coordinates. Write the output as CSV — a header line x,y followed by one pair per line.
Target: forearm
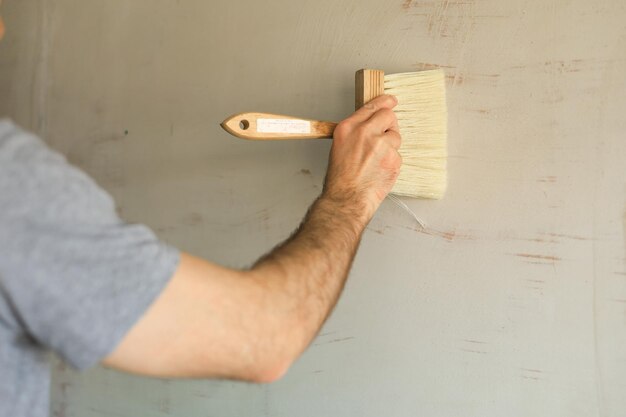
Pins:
x,y
304,275
302,278
251,325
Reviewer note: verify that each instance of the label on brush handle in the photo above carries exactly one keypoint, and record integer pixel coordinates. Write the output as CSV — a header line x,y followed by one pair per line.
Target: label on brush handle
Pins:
x,y
283,126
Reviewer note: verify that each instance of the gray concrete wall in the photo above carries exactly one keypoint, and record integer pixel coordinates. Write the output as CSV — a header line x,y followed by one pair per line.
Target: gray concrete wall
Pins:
x,y
512,301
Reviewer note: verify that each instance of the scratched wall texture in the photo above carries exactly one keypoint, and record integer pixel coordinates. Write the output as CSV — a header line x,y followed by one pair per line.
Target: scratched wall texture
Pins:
x,y
511,303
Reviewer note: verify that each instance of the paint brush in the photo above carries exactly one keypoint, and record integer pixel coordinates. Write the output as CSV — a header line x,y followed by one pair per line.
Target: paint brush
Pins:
x,y
422,118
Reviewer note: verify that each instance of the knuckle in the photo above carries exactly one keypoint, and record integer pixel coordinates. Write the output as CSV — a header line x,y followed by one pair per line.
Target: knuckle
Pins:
x,y
361,130
393,139
387,100
343,128
397,139
381,146
370,106
398,161
394,159
386,113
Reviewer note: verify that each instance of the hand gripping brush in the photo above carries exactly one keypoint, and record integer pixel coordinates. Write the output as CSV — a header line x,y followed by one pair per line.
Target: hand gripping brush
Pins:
x,y
422,118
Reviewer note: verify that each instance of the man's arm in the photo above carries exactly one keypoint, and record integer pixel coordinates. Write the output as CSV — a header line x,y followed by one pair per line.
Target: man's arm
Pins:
x,y
212,321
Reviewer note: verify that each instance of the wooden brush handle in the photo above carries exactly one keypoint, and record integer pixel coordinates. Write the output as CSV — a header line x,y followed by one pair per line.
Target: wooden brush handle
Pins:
x,y
267,126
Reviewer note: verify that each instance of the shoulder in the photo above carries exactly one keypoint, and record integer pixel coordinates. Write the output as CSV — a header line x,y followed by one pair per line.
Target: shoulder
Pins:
x,y
17,145
36,180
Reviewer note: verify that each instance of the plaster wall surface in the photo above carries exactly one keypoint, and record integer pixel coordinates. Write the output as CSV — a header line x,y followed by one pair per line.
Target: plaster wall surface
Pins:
x,y
512,301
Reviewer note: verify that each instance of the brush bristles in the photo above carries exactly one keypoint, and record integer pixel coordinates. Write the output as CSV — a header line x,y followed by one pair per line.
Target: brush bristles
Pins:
x,y
422,117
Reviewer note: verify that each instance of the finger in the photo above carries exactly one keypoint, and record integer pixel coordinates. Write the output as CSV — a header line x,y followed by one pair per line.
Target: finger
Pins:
x,y
395,127
385,101
382,121
393,138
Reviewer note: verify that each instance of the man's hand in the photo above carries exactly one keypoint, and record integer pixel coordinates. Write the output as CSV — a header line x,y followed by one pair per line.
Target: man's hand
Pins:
x,y
364,160
212,321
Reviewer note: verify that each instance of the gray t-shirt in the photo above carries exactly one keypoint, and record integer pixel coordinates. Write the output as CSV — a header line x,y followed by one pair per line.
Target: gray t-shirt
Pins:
x,y
74,278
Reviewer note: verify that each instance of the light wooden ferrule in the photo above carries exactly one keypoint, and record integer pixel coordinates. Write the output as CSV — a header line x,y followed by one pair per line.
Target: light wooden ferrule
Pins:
x,y
368,84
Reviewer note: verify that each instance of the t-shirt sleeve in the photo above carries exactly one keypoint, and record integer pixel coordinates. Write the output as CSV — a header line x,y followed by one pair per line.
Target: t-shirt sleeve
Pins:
x,y
76,276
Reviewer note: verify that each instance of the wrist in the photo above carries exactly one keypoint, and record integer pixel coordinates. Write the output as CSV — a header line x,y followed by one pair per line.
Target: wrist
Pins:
x,y
347,207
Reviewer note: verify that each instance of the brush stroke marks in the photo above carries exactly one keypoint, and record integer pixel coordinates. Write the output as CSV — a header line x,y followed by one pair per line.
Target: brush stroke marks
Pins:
x,y
380,231
445,18
456,77
474,346
452,20
532,374
448,235
563,67
538,259
584,71
547,179
535,284
548,237
336,340
568,236
193,219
